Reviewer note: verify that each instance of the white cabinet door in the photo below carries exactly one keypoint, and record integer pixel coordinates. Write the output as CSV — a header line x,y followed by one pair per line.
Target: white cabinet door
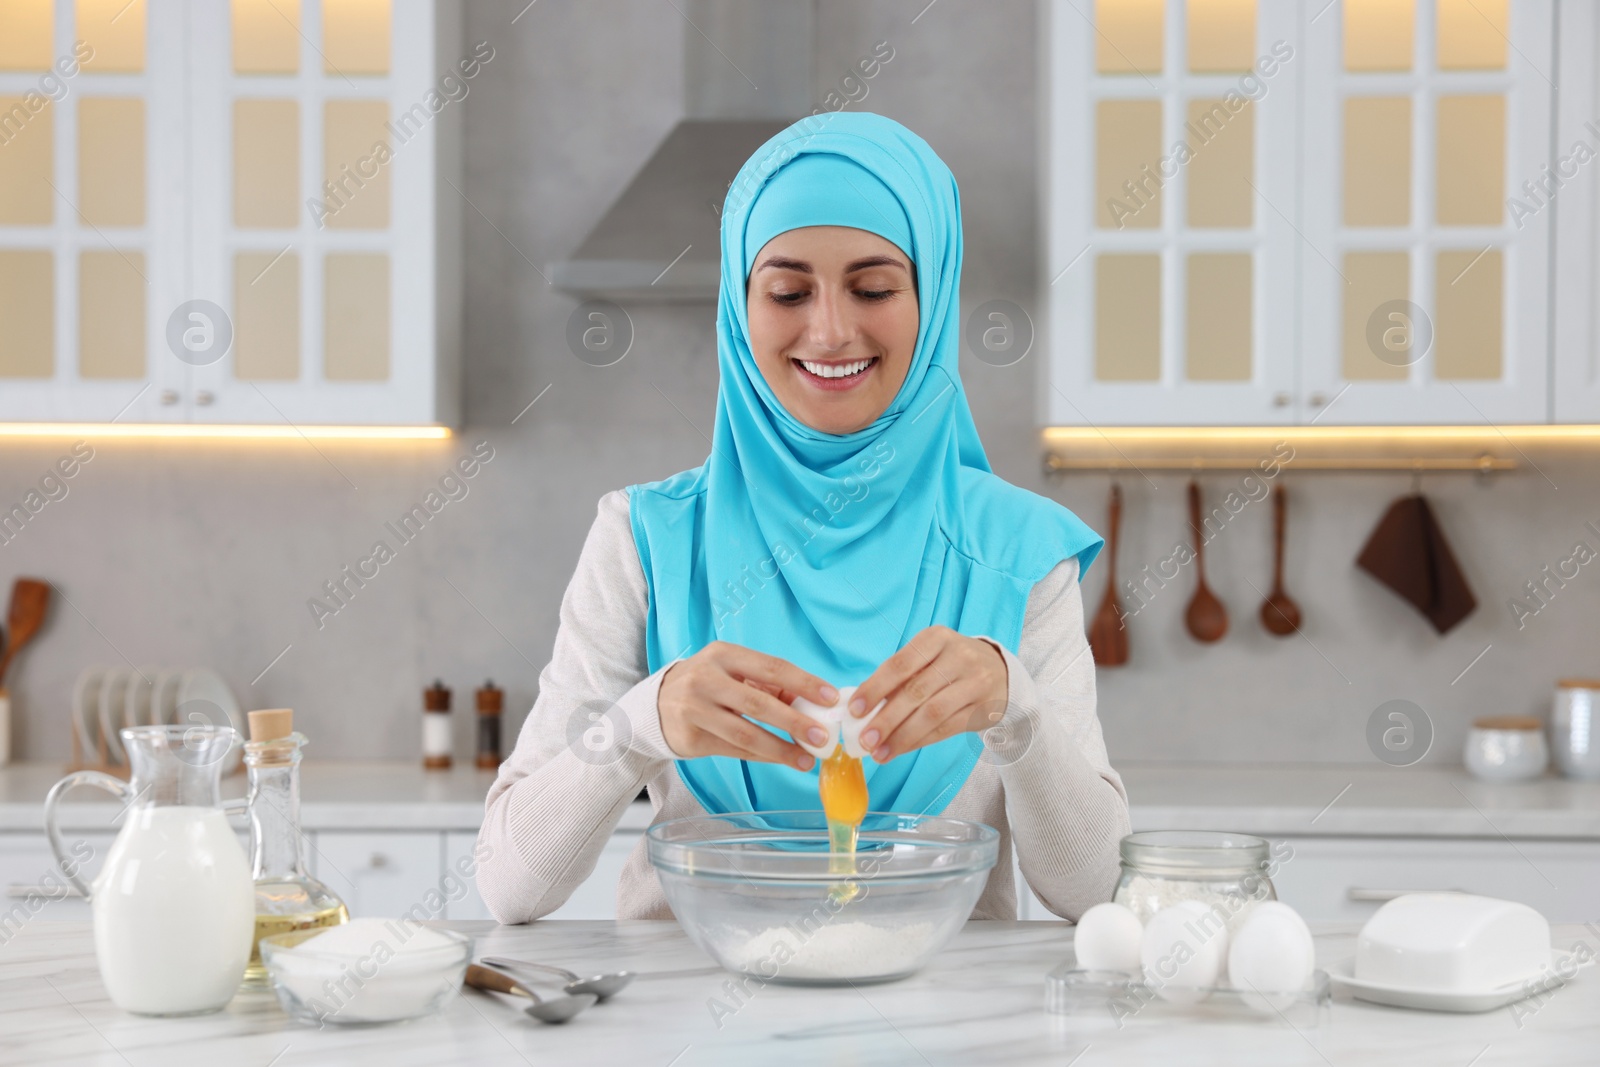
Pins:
x,y
33,887
320,214
1168,193
1425,269
91,249
1575,187
212,217
1346,879
462,903
596,898
382,874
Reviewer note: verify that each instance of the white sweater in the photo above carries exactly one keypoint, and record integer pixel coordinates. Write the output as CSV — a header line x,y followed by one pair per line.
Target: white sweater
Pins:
x,y
1048,785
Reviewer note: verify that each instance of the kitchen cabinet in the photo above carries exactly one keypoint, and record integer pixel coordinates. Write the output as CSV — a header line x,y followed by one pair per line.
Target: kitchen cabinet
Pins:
x,y
458,846
1346,879
382,874
1571,193
240,213
596,897
33,887
1281,213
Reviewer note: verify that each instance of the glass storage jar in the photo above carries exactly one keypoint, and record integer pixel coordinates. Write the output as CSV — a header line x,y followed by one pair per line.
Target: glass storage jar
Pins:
x,y
1229,872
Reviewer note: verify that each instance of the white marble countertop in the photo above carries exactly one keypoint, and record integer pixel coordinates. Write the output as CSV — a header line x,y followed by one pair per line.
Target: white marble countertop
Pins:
x,y
980,1001
1307,799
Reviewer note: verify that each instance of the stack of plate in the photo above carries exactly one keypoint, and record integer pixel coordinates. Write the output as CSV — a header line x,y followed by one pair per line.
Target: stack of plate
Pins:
x,y
107,699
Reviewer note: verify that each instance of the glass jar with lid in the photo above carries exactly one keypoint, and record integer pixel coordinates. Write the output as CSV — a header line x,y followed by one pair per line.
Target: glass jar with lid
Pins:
x,y
1222,870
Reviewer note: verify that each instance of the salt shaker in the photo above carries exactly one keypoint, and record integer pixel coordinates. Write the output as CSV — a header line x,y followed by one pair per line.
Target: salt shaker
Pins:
x,y
490,702
436,727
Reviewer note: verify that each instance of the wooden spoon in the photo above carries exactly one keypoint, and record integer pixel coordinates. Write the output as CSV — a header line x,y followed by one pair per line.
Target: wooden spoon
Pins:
x,y
1279,614
29,600
1206,618
1108,636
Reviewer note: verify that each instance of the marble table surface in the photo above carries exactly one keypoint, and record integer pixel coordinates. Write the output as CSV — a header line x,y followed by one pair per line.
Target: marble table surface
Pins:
x,y
981,1001
1271,799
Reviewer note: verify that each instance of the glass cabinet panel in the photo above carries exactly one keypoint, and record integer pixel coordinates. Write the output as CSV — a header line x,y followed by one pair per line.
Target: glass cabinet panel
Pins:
x,y
27,307
1128,38
114,30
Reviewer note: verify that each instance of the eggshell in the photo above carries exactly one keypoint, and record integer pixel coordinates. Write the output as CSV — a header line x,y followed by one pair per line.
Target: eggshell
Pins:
x,y
1271,956
1108,938
843,727
850,727
1182,951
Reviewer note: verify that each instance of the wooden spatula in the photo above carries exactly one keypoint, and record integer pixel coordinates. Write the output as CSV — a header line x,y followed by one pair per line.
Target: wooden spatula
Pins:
x,y
1108,634
30,599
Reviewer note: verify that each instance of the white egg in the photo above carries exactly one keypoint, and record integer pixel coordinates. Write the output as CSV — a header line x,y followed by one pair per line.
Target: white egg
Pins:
x,y
1271,956
1182,951
843,727
1107,938
829,718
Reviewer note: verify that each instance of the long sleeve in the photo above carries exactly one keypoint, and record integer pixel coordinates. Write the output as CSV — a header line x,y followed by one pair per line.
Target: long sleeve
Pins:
x,y
1067,808
591,741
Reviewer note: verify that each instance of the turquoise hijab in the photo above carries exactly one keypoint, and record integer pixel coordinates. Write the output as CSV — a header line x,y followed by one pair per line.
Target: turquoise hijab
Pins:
x,y
833,550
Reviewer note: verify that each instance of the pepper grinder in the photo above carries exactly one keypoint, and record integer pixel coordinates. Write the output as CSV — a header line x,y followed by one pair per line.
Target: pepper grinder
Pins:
x,y
436,727
490,702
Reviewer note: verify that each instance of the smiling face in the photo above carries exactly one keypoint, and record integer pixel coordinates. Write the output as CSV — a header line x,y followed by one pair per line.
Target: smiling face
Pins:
x,y
833,324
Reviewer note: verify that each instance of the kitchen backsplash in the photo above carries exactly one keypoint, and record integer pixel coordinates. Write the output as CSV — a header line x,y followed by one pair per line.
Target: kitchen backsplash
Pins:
x,y
219,553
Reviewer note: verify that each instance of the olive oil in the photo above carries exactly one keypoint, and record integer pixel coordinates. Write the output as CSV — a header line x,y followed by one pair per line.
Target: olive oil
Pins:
x,y
269,923
287,898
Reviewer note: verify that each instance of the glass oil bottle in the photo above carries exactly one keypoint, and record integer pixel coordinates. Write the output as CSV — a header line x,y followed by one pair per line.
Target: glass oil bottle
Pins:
x,y
287,898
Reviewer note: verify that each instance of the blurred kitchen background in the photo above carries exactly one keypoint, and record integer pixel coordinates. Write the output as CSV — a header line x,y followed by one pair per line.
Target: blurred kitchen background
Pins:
x,y
206,550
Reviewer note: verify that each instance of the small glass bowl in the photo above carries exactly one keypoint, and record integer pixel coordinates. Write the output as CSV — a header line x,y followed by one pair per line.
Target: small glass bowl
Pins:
x,y
761,893
319,987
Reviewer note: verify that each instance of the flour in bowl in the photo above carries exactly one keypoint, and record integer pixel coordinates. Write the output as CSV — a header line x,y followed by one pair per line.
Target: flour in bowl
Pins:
x,y
835,950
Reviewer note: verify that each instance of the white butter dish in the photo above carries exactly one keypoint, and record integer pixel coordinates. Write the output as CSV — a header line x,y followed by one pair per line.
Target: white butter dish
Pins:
x,y
1452,942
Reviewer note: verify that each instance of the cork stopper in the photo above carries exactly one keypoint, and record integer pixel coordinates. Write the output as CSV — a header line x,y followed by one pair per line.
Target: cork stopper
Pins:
x,y
1507,722
491,701
271,724
436,698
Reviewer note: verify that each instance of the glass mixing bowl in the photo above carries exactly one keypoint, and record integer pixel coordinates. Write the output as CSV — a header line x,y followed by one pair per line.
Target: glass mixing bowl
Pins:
x,y
762,895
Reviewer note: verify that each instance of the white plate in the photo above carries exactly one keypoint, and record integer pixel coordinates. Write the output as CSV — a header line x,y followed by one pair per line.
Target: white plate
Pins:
x,y
86,709
136,702
205,699
1343,974
164,697
113,689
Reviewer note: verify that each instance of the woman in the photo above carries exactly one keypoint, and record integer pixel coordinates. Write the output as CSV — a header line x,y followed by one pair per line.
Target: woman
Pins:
x,y
845,529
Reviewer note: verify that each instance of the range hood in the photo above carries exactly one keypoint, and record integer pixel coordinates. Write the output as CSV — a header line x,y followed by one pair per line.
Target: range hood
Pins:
x,y
746,75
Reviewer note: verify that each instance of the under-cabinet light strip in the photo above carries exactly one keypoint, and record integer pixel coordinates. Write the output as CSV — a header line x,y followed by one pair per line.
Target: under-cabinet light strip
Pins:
x,y
212,431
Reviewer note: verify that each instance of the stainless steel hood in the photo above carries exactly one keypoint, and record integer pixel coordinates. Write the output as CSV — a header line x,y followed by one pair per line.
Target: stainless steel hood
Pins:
x,y
747,75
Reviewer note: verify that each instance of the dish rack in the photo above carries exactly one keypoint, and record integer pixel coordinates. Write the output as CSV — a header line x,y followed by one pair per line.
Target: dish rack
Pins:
x,y
106,699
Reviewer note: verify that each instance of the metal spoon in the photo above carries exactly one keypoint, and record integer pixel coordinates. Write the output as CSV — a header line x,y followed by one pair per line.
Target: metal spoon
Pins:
x,y
545,1009
601,985
1279,614
1206,618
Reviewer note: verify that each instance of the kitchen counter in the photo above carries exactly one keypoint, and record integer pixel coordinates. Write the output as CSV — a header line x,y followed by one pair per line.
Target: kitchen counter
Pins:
x,y
980,1001
1310,799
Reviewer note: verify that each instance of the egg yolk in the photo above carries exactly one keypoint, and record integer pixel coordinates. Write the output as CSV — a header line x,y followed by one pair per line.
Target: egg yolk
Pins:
x,y
844,802
843,788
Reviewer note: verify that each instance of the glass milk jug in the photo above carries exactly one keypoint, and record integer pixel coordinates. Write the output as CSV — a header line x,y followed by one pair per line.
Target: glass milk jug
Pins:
x,y
174,904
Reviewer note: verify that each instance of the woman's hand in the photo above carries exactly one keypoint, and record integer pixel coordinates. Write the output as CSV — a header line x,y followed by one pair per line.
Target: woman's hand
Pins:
x,y
705,700
941,684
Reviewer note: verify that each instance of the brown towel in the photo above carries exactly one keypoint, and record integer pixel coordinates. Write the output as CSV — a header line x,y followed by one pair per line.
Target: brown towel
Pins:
x,y
1408,553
